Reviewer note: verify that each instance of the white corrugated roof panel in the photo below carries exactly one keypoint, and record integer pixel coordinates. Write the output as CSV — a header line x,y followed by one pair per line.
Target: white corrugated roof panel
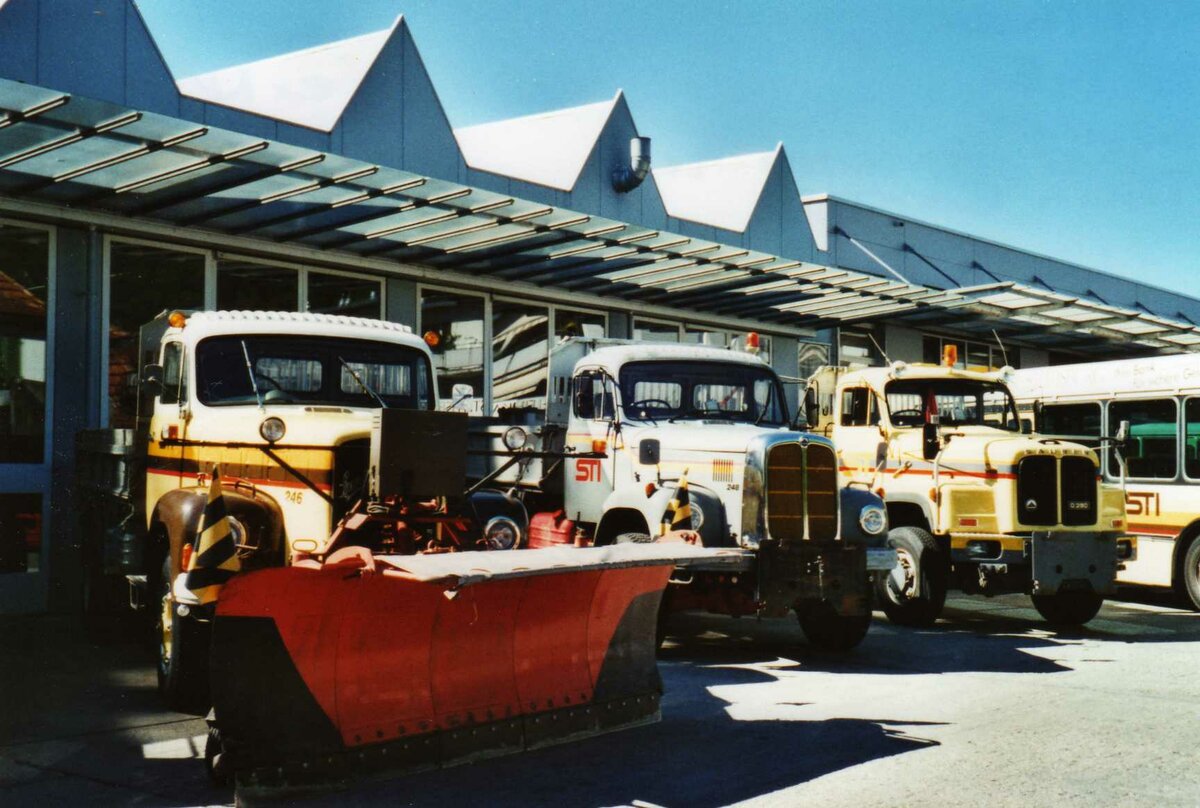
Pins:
x,y
720,193
309,87
549,148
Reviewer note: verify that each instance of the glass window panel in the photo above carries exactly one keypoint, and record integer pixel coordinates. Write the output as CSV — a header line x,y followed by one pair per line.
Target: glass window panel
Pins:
x,y
813,356
646,331
978,357
857,350
855,403
174,379
1191,447
701,336
20,532
453,328
244,285
1074,420
1154,437
143,282
520,354
291,374
341,294
571,323
658,392
24,287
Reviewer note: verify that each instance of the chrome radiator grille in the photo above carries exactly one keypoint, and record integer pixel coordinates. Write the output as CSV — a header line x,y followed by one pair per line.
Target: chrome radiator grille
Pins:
x,y
802,493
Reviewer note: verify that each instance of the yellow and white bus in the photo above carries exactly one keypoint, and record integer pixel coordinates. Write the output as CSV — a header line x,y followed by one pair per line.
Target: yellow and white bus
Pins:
x,y
1160,398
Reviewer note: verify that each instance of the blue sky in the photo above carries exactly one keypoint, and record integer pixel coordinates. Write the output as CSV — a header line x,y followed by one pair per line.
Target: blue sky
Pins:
x,y
1066,128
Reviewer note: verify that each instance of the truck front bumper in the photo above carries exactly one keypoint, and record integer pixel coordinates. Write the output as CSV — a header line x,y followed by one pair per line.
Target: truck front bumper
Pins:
x,y
1073,562
807,572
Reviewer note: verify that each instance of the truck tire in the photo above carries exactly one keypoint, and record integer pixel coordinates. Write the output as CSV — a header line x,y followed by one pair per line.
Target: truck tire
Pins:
x,y
1068,608
634,538
182,653
1187,583
830,631
919,559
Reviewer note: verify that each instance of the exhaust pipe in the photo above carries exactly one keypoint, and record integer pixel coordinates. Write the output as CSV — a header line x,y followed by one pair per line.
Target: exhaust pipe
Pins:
x,y
628,177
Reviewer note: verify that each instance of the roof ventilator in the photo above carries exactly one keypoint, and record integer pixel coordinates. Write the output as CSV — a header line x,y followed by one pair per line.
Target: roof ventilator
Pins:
x,y
629,177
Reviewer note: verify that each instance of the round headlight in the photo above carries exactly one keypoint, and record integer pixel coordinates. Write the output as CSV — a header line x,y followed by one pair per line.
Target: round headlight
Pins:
x,y
873,520
272,429
501,533
697,516
515,438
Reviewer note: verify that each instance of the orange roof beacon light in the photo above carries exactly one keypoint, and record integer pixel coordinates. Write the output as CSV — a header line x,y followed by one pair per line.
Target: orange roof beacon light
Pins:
x,y
432,339
753,343
950,355
599,446
177,319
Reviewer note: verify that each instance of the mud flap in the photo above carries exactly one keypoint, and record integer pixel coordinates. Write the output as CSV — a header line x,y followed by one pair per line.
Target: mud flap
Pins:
x,y
322,676
1074,562
804,571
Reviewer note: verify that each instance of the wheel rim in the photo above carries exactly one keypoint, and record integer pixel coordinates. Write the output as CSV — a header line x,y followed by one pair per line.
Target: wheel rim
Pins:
x,y
902,578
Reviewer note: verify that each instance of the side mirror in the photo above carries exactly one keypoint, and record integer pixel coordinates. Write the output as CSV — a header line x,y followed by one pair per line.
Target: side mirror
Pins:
x,y
1026,427
1038,409
812,407
930,443
585,399
649,452
152,380
1124,445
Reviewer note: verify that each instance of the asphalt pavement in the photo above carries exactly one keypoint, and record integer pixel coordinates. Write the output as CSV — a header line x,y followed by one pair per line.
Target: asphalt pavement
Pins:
x,y
989,707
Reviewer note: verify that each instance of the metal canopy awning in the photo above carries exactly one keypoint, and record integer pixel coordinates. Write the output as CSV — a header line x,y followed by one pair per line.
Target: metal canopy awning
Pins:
x,y
83,154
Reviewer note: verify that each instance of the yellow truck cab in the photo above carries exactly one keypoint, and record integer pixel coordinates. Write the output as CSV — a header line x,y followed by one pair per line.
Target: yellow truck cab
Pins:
x,y
974,503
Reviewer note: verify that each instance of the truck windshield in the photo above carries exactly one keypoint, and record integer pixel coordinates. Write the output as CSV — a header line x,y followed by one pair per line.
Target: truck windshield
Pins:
x,y
306,370
681,389
958,402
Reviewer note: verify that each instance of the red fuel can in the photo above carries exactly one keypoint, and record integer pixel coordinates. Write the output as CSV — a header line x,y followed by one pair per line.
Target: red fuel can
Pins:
x,y
551,529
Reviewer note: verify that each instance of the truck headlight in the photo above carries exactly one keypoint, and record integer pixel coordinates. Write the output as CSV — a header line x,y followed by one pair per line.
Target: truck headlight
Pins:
x,y
873,520
501,533
272,429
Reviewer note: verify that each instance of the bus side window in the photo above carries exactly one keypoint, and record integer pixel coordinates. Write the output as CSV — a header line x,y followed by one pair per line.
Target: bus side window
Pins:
x,y
1154,429
1080,421
1191,439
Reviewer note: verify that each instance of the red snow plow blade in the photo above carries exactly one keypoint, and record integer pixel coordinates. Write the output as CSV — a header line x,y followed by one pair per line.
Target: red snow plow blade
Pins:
x,y
322,674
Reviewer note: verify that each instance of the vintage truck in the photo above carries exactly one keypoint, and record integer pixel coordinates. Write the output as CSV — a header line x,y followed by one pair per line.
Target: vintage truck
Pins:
x,y
973,502
661,413
285,404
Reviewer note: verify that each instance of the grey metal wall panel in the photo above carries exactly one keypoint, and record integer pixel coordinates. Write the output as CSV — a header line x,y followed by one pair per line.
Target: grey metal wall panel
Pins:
x,y
71,376
148,80
302,136
401,302
81,48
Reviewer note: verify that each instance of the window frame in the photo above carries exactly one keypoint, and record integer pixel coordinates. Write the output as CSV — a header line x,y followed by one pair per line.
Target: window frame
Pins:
x,y
1183,400
28,591
1110,429
210,296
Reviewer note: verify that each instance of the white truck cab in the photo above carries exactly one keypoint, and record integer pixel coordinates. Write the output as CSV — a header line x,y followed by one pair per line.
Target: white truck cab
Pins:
x,y
651,415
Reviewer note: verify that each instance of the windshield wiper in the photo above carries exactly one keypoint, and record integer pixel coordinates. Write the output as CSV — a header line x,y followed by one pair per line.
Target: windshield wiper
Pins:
x,y
363,384
250,372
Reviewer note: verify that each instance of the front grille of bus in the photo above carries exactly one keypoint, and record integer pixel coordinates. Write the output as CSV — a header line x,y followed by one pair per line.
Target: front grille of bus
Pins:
x,y
1078,491
795,491
1037,490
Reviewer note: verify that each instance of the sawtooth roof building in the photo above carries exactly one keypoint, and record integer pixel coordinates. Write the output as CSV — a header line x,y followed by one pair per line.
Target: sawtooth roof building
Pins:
x,y
331,180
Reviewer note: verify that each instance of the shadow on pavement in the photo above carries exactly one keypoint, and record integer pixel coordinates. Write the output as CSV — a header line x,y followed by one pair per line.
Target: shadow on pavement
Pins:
x,y
697,756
